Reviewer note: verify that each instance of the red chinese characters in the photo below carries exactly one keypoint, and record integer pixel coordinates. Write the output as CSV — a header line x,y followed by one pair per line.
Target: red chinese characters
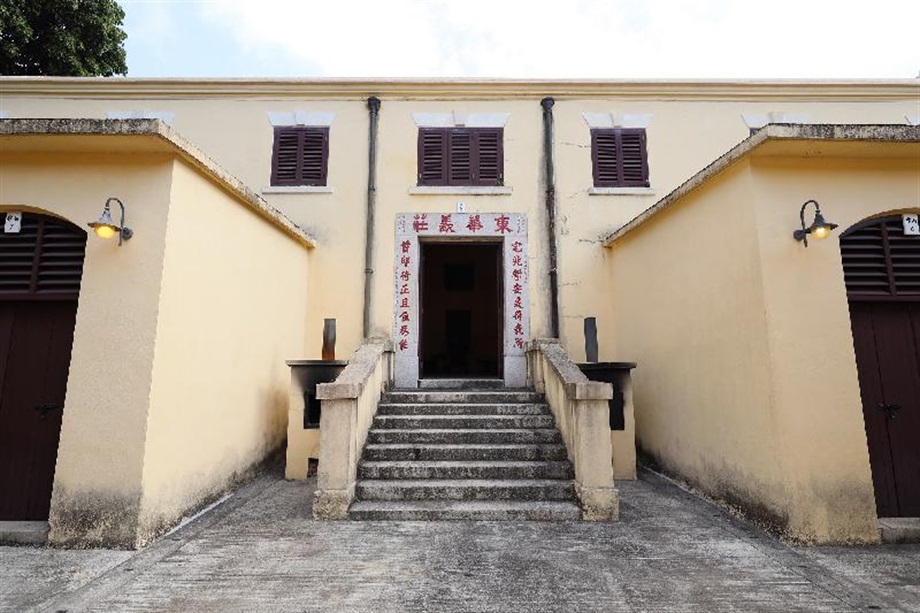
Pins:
x,y
403,277
447,225
474,224
420,222
501,224
517,275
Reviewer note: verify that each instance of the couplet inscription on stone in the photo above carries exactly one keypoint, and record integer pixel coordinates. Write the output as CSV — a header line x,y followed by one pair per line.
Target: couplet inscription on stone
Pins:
x,y
512,229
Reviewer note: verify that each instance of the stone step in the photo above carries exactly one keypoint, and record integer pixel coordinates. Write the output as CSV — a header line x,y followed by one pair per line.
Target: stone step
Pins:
x,y
459,453
475,510
459,396
462,384
467,422
465,470
464,489
458,436
505,408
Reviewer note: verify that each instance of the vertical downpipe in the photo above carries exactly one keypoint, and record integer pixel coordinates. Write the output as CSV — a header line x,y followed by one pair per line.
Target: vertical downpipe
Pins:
x,y
373,105
547,104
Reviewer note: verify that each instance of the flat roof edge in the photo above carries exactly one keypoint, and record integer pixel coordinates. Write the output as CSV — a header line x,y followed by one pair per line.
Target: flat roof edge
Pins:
x,y
459,88
889,133
183,148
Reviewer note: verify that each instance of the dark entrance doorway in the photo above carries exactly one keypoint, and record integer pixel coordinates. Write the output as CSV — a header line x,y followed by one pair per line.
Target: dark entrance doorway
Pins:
x,y
882,272
40,271
461,312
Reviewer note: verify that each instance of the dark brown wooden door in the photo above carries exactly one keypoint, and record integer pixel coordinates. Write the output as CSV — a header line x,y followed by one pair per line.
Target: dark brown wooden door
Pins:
x,y
35,343
460,328
886,336
41,267
881,265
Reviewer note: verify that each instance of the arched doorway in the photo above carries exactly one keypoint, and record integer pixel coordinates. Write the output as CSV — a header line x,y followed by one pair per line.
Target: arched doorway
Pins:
x,y
41,266
882,272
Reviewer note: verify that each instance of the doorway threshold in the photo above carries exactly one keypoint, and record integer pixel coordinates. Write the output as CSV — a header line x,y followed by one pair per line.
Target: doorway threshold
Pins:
x,y
461,384
23,532
899,530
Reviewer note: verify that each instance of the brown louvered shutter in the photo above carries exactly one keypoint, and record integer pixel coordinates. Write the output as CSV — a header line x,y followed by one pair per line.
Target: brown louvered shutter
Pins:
x,y
619,157
432,156
300,156
461,159
460,156
880,261
490,157
634,161
43,260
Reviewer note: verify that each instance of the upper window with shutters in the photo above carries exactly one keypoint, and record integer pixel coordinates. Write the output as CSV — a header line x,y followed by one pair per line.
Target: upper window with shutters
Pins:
x,y
460,157
300,156
619,158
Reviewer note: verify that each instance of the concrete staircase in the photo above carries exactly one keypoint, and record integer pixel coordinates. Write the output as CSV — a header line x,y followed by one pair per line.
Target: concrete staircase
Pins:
x,y
485,454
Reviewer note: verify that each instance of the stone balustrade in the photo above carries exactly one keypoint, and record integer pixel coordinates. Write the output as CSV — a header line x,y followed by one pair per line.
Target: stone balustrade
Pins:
x,y
582,415
348,407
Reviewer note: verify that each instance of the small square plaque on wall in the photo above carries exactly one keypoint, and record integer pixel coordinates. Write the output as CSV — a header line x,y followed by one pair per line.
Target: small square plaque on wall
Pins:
x,y
911,224
13,222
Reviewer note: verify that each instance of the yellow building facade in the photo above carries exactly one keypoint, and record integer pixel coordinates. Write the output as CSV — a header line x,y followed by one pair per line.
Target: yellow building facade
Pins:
x,y
260,209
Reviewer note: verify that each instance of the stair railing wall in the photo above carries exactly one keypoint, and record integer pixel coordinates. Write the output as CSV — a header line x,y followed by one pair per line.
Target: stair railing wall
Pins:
x,y
348,408
582,415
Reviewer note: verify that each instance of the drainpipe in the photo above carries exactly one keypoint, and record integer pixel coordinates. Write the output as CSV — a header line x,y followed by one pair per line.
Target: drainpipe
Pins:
x,y
373,105
547,104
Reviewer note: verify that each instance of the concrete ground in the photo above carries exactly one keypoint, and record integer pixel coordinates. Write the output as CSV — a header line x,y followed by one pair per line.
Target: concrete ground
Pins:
x,y
260,551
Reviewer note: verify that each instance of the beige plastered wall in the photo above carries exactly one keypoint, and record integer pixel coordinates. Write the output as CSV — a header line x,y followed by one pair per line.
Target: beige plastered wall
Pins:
x,y
687,130
746,386
231,311
815,386
97,483
177,383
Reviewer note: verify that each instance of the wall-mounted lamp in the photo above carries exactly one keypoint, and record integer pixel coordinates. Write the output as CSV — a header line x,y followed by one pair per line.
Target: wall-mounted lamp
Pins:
x,y
105,226
819,228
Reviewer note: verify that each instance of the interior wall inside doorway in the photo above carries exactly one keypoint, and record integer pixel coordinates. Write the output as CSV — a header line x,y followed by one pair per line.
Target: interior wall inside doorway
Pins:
x,y
461,310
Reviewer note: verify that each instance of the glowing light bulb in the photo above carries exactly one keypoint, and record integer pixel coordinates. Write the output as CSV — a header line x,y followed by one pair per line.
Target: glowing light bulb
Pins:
x,y
821,232
103,231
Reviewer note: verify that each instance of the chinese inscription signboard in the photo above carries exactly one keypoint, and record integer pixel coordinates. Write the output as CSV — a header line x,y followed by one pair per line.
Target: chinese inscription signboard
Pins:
x,y
512,229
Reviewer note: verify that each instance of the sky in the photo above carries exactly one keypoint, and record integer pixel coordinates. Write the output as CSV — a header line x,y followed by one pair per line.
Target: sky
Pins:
x,y
528,39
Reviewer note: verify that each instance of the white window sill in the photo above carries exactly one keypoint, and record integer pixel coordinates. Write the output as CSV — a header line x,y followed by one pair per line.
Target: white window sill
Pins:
x,y
621,191
297,189
460,190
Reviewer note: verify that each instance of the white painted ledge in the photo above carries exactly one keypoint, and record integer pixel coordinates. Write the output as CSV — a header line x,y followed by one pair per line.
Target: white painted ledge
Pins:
x,y
460,190
301,118
621,191
617,120
460,119
297,189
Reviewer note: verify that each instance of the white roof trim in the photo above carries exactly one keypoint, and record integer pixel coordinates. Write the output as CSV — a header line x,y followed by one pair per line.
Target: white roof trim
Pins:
x,y
166,116
759,120
460,119
913,120
301,118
